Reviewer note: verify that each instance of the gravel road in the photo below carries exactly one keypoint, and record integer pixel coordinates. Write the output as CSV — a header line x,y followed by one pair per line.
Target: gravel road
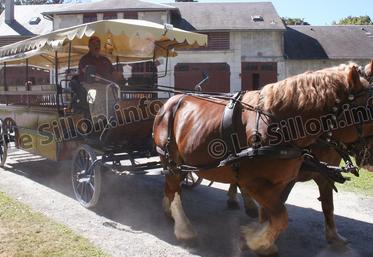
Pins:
x,y
130,220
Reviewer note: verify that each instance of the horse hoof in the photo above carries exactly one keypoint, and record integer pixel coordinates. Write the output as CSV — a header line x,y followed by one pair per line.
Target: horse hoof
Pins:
x,y
252,213
272,251
336,239
188,237
185,233
233,205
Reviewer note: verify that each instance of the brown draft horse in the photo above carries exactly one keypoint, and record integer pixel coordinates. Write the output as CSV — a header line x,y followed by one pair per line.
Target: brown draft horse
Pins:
x,y
195,123
332,157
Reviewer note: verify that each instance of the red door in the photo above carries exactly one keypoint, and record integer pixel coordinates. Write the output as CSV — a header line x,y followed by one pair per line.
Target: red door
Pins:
x,y
188,75
255,75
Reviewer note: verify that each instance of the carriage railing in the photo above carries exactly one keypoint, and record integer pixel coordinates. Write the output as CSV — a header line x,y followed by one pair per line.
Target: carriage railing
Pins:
x,y
44,96
133,94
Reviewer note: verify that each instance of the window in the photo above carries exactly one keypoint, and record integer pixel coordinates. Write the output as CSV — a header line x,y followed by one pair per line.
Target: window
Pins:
x,y
257,18
34,21
216,41
89,17
110,16
130,15
268,67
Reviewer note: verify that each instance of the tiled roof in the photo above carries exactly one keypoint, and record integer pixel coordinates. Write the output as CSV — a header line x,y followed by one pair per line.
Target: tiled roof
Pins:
x,y
22,15
333,42
109,6
227,16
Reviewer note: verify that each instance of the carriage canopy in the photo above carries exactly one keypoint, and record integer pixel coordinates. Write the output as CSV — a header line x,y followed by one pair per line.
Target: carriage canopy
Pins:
x,y
122,40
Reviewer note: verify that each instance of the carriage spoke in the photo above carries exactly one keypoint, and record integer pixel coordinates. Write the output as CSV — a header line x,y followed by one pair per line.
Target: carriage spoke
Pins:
x,y
92,186
82,190
84,175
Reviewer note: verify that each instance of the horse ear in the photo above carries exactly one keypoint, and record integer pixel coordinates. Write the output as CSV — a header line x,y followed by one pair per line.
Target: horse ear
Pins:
x,y
354,78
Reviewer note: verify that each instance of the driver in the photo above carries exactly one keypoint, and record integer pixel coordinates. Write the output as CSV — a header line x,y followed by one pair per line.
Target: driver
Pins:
x,y
103,65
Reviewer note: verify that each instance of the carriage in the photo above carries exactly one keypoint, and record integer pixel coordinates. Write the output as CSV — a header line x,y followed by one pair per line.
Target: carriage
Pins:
x,y
99,122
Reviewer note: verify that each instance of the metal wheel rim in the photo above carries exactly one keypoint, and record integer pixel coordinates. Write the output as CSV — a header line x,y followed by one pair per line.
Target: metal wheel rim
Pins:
x,y
10,131
3,145
86,179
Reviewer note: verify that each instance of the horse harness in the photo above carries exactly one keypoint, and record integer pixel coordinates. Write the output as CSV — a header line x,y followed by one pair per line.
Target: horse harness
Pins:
x,y
229,136
233,157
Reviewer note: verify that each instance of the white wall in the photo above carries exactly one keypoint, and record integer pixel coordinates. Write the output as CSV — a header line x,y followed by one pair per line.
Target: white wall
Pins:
x,y
64,21
294,67
157,17
244,47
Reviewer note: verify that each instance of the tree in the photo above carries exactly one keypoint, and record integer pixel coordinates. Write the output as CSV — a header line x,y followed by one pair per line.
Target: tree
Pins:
x,y
294,21
355,20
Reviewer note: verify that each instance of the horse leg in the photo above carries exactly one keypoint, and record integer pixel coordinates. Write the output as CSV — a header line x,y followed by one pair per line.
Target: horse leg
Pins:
x,y
261,237
326,198
232,202
172,204
251,208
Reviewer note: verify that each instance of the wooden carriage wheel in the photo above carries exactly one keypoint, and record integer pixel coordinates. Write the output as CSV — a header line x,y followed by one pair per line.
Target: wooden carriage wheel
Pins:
x,y
3,144
86,176
11,131
191,180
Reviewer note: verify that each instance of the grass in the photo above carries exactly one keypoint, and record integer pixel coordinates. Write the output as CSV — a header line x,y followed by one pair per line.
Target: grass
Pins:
x,y
27,233
362,184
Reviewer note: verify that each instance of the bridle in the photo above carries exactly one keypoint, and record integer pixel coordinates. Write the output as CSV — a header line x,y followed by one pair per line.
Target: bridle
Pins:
x,y
359,148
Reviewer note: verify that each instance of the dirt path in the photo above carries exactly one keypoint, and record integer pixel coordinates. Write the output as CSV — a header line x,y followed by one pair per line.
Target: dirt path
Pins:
x,y
130,220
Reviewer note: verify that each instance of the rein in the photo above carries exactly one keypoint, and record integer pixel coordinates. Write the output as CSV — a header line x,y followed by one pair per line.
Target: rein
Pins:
x,y
346,150
270,152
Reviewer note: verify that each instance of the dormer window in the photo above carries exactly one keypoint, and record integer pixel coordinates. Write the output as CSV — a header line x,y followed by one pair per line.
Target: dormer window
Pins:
x,y
256,18
34,21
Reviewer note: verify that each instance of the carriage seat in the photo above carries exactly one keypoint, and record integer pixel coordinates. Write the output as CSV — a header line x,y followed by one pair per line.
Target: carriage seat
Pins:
x,y
79,102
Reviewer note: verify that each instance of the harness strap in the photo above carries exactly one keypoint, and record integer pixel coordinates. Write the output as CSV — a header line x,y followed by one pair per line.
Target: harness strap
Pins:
x,y
265,152
331,173
343,152
227,128
167,151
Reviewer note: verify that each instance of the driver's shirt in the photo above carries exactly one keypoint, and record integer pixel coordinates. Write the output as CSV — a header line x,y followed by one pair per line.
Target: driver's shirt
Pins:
x,y
103,65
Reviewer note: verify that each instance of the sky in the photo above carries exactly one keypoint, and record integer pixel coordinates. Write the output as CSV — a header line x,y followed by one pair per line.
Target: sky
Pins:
x,y
315,12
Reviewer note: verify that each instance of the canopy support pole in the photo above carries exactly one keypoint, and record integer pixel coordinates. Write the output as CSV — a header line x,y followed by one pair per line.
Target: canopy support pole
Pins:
x,y
165,72
58,87
27,84
69,58
5,84
27,79
55,68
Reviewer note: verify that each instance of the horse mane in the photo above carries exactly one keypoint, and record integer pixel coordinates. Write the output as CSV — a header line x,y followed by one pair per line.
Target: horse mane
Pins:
x,y
317,90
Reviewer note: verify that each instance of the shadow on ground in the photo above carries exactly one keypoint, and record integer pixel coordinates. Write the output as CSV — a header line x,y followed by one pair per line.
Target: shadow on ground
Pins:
x,y
135,201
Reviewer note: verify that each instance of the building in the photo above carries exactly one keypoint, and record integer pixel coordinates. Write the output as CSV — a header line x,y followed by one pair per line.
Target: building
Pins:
x,y
315,47
249,46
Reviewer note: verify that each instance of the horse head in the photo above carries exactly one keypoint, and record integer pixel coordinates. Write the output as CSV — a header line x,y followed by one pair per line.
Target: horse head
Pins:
x,y
358,135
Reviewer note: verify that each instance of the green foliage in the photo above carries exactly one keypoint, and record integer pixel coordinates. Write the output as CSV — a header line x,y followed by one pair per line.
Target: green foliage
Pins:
x,y
355,20
362,184
294,21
